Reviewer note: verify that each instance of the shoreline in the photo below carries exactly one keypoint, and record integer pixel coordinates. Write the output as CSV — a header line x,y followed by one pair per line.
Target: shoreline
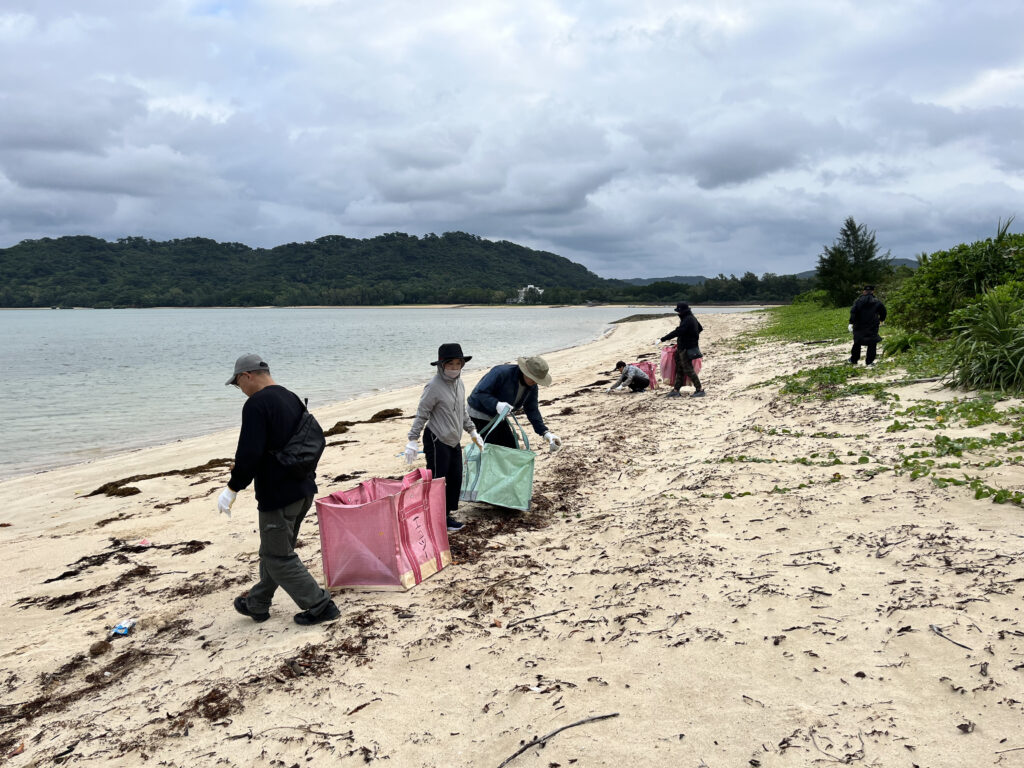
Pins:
x,y
113,454
156,442
148,459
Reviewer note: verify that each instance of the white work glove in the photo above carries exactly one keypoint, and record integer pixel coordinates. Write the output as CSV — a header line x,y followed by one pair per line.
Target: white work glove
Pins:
x,y
227,498
477,440
554,441
503,407
412,448
850,327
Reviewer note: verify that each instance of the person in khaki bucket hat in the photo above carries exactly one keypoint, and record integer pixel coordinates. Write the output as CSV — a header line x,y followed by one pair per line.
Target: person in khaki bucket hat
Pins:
x,y
509,388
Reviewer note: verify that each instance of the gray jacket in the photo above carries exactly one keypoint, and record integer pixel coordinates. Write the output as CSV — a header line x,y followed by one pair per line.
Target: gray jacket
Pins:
x,y
443,405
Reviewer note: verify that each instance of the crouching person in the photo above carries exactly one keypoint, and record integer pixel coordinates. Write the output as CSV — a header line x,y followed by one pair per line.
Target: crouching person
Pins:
x,y
630,377
269,419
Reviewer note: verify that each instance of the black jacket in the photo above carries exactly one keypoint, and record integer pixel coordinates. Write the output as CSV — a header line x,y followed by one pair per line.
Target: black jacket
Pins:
x,y
865,315
687,334
269,419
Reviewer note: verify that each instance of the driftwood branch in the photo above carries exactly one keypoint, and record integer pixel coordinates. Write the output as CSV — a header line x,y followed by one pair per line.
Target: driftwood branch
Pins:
x,y
938,632
538,616
555,732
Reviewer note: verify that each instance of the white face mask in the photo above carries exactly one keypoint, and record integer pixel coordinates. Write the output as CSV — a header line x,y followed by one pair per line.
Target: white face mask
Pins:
x,y
453,374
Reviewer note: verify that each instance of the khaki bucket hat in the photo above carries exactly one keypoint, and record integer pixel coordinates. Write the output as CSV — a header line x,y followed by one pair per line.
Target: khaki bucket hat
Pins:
x,y
536,368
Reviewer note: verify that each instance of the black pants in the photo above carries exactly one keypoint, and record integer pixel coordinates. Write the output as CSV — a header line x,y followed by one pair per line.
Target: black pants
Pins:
x,y
638,384
684,370
869,358
502,434
444,461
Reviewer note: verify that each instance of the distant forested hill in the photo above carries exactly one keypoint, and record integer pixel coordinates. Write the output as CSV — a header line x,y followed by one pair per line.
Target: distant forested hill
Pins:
x,y
389,269
394,268
686,279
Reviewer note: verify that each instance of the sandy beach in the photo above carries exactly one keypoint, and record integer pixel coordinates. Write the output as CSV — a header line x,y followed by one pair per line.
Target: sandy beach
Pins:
x,y
726,581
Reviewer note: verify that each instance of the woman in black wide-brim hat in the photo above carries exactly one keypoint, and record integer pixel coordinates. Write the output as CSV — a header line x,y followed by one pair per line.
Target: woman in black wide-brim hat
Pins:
x,y
442,417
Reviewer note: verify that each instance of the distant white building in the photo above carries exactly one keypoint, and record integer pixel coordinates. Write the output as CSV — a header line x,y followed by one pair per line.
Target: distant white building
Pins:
x,y
529,295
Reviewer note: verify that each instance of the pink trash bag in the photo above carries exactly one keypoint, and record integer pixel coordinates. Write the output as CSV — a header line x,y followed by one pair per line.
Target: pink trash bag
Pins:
x,y
648,367
384,534
668,366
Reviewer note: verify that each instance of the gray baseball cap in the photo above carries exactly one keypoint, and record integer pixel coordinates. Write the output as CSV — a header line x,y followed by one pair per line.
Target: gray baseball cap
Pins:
x,y
250,362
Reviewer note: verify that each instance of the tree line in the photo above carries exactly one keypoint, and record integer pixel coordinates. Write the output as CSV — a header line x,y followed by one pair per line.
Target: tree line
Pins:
x,y
393,268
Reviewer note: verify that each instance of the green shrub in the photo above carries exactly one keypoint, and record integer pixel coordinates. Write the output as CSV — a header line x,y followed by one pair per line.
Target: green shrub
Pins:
x,y
818,297
949,280
901,343
988,348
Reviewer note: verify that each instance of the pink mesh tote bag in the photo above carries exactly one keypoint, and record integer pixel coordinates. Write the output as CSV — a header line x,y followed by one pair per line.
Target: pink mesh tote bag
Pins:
x,y
384,534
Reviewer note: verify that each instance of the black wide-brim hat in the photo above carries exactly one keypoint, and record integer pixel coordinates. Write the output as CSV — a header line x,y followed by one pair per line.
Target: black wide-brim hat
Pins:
x,y
450,352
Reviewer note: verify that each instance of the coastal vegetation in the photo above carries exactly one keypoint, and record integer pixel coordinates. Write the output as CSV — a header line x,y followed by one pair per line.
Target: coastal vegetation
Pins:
x,y
957,320
393,268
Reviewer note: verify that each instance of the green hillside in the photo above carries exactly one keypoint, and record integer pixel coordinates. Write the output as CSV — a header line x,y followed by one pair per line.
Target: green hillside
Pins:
x,y
395,268
388,269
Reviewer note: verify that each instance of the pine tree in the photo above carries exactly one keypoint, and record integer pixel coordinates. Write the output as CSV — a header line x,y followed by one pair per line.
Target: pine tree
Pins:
x,y
850,263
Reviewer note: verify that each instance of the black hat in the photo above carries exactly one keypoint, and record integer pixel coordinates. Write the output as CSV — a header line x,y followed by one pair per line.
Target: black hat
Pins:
x,y
450,352
869,287
682,307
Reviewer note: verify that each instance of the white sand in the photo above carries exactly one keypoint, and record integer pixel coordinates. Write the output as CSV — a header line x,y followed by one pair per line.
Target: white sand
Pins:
x,y
778,628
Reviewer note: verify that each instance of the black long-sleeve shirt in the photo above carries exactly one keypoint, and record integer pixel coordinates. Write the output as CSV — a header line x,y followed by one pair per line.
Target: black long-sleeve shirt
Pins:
x,y
269,418
687,333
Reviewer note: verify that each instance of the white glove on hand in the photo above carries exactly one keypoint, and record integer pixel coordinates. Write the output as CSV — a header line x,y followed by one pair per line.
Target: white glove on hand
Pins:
x,y
554,441
850,327
412,448
227,498
503,407
477,440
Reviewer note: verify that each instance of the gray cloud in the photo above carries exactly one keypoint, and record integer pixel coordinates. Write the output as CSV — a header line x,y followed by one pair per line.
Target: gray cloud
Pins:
x,y
639,139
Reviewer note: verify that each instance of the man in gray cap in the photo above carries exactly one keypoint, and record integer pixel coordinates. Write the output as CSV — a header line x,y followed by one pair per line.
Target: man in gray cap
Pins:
x,y
269,418
507,388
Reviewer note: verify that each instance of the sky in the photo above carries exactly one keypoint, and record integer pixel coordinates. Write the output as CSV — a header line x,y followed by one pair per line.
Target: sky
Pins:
x,y
640,138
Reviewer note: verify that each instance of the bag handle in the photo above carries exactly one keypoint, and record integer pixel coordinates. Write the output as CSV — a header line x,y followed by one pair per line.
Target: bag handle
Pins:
x,y
497,419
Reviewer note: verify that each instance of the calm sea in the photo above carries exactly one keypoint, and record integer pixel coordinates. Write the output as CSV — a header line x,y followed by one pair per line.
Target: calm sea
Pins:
x,y
78,384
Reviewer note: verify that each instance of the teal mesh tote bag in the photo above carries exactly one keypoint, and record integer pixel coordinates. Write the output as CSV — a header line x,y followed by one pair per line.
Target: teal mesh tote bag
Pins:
x,y
498,475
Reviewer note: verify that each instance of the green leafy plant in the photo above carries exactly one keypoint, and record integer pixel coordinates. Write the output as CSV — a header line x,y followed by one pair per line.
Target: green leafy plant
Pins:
x,y
988,349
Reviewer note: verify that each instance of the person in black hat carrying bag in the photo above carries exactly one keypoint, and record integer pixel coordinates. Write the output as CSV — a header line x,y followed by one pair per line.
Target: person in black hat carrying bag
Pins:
x,y
866,314
269,419
687,336
442,417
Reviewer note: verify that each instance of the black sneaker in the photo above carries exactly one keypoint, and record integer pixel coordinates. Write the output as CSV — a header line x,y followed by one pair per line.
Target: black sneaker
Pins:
x,y
243,608
330,613
454,526
674,393
698,393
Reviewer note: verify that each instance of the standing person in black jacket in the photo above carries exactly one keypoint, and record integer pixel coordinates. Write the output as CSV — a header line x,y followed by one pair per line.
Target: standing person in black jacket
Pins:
x,y
866,314
269,418
687,336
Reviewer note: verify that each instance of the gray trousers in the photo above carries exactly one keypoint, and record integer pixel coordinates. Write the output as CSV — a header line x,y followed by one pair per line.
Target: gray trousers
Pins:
x,y
280,566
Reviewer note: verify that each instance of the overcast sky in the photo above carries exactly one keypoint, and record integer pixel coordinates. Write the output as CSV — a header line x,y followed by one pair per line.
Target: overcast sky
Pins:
x,y
640,138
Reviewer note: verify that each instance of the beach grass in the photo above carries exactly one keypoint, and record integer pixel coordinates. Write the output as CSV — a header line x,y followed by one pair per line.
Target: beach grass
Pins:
x,y
802,322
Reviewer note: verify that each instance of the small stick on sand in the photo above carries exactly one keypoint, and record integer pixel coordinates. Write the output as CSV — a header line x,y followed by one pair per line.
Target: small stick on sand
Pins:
x,y
538,616
555,732
938,632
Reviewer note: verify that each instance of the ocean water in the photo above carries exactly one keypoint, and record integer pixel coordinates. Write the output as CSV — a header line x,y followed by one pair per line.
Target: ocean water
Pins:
x,y
80,384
